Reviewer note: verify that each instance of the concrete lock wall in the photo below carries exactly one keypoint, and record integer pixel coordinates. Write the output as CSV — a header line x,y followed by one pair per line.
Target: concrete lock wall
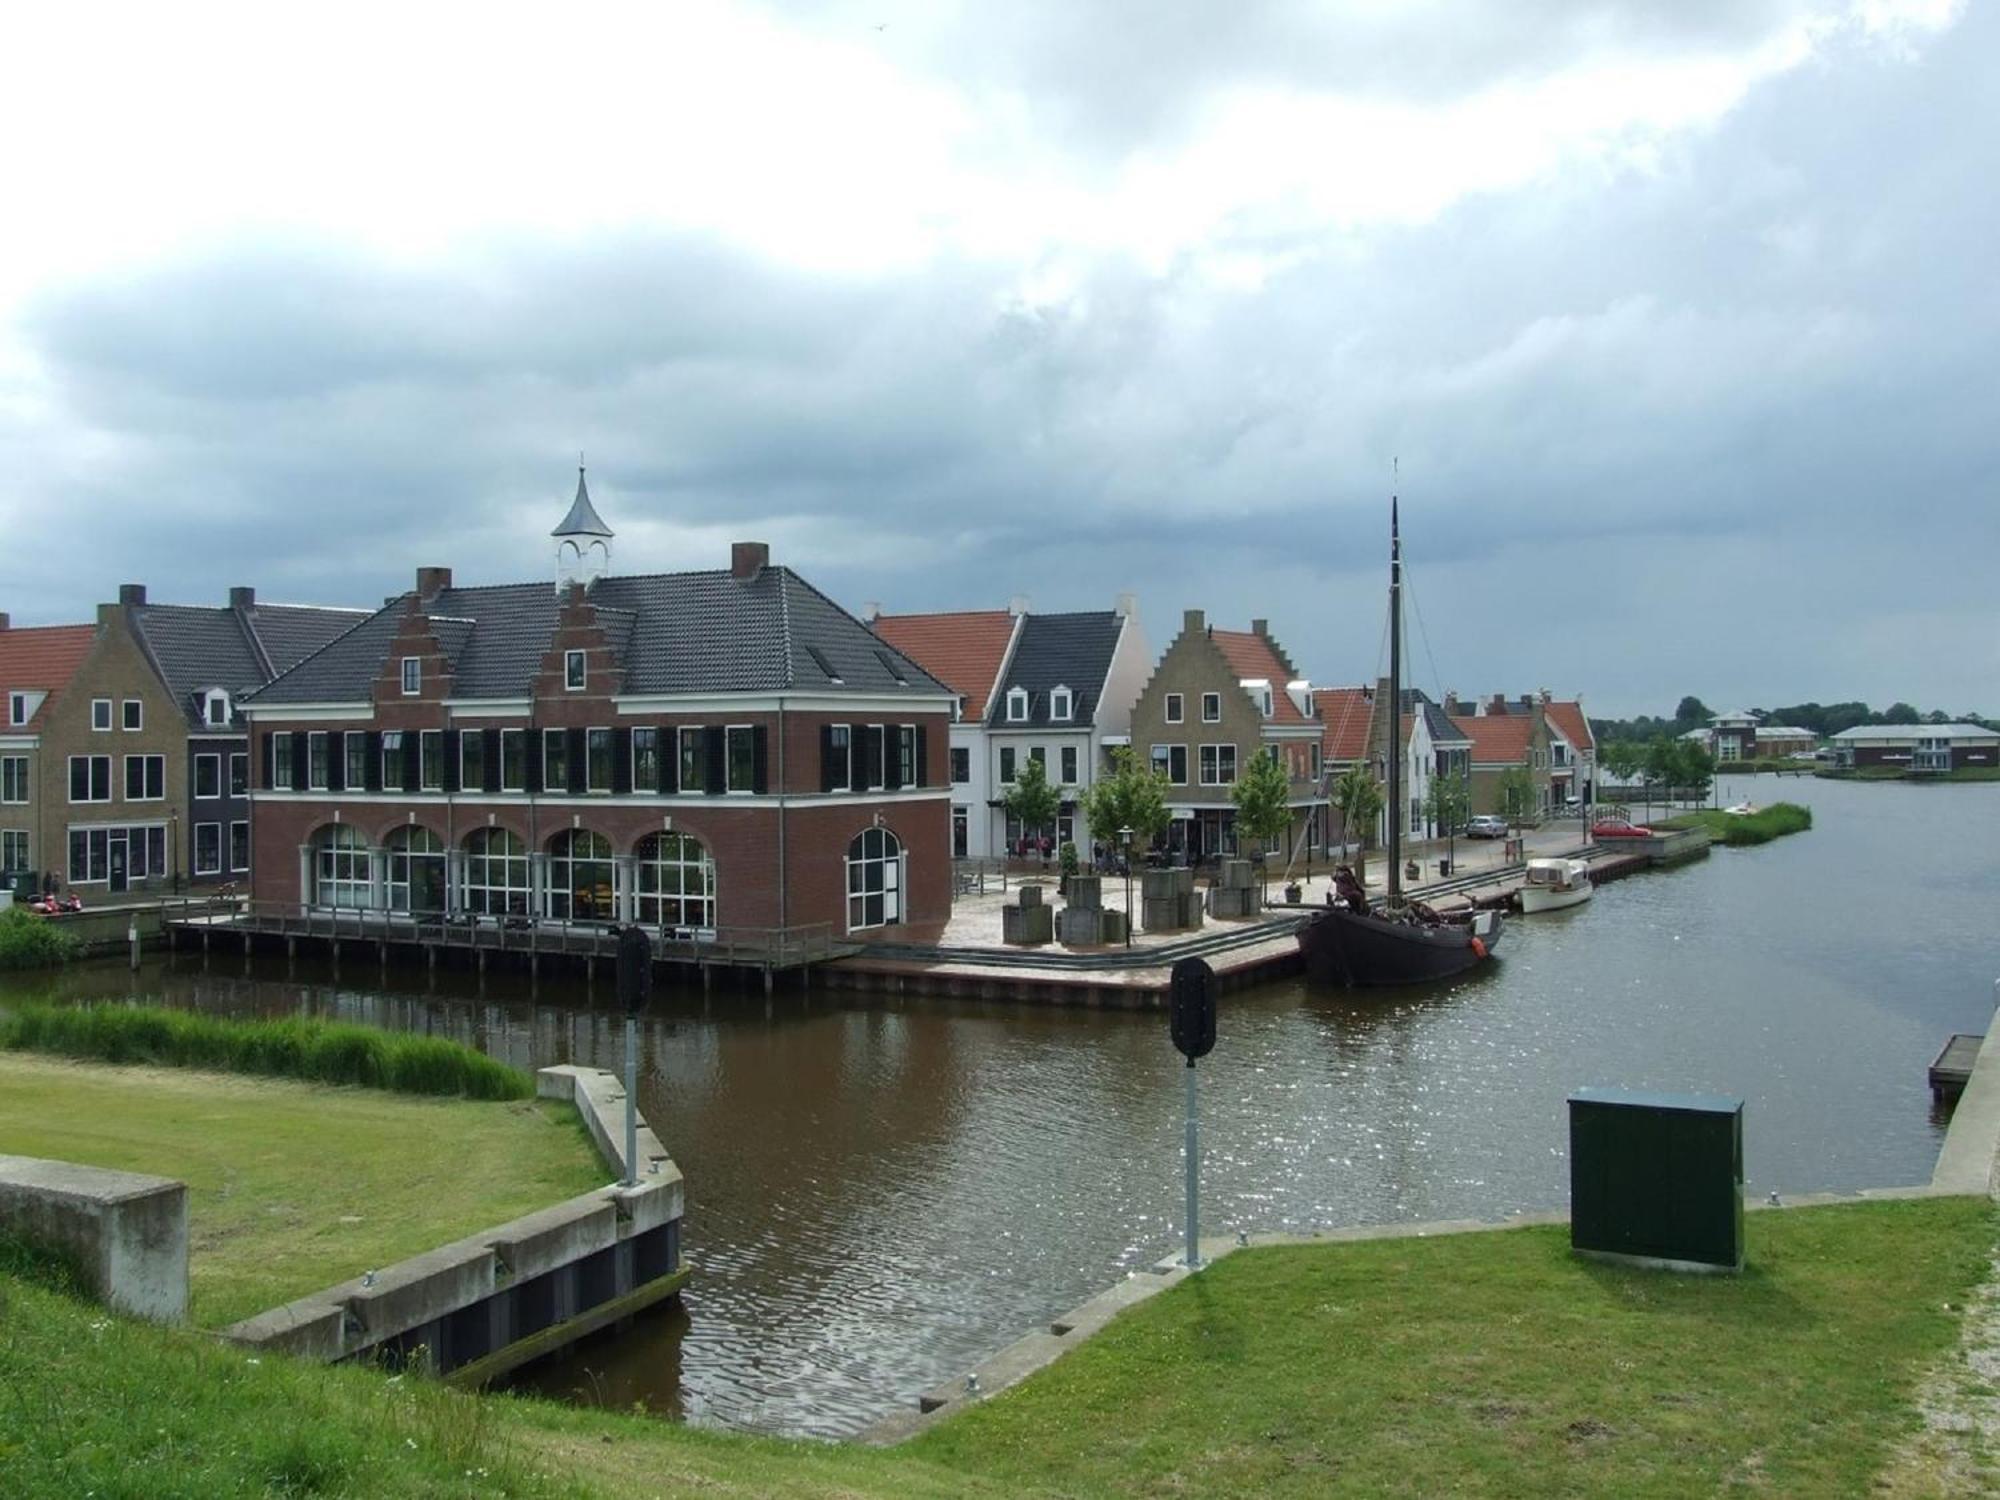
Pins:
x,y
126,1233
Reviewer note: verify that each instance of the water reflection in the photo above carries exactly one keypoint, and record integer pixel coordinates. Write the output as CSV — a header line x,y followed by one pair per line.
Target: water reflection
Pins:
x,y
882,1193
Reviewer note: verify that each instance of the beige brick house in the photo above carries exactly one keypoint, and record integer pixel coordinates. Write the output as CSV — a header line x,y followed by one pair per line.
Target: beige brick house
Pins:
x,y
1217,698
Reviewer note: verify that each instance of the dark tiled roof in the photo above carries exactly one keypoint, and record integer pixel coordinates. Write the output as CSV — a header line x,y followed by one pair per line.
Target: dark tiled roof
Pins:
x,y
1072,651
1443,730
196,647
676,633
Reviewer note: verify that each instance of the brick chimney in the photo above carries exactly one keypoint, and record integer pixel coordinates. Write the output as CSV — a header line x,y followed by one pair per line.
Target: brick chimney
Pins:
x,y
242,598
1261,628
131,593
871,611
748,559
1498,707
432,581
5,622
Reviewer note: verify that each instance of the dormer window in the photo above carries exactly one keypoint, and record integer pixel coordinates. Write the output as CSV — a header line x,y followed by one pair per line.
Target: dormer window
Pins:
x,y
573,670
1264,701
1060,705
413,676
1017,705
215,708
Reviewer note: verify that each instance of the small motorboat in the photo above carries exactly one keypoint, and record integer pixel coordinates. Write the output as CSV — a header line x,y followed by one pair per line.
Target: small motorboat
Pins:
x,y
1741,809
1555,883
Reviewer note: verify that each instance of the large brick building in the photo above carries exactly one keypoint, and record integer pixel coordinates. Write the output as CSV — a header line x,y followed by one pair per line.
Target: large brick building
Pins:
x,y
691,751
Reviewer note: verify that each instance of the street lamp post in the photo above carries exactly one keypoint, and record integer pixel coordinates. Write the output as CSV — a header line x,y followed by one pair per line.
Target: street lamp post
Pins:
x,y
1125,839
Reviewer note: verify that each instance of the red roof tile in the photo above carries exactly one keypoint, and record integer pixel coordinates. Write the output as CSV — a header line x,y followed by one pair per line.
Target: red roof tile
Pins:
x,y
1568,717
963,650
1498,738
1346,713
41,656
1252,656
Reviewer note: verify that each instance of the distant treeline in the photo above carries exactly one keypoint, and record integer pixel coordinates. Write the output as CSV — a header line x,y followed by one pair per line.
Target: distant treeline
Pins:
x,y
1823,719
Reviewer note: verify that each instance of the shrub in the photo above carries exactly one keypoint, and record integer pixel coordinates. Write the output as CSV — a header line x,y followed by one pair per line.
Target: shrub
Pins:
x,y
292,1047
31,942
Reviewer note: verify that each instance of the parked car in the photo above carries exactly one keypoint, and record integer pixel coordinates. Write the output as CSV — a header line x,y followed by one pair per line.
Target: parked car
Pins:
x,y
1618,828
1487,826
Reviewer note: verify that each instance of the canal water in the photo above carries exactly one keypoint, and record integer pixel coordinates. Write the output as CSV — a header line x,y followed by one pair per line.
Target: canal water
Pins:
x,y
882,1192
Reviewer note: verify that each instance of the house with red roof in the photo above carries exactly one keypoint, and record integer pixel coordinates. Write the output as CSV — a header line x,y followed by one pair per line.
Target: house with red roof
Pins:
x,y
1052,687
1217,698
1505,737
36,664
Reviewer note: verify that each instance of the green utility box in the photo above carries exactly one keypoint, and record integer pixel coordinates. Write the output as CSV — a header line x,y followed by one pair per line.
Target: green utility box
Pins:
x,y
1657,1179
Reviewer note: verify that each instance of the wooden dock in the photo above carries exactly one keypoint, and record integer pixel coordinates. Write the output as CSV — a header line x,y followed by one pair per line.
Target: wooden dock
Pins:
x,y
1951,1070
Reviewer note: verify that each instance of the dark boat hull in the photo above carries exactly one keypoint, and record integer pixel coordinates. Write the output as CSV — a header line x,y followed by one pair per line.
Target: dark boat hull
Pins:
x,y
1342,947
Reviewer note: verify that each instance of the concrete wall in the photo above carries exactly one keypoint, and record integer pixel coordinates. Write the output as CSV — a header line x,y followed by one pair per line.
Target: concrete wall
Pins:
x,y
127,1234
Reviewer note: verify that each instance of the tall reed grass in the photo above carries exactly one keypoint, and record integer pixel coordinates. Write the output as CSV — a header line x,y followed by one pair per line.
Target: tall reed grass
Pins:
x,y
31,942
294,1047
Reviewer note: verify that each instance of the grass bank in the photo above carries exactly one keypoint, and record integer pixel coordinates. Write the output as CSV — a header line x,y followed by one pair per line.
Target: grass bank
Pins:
x,y
1483,1364
291,1186
293,1047
31,942
1759,827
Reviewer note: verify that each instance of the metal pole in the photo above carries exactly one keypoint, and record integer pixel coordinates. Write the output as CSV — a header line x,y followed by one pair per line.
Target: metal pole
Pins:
x,y
631,1101
1193,1256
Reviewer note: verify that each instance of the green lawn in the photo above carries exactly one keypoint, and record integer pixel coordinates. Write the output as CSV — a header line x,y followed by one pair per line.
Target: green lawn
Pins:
x,y
1479,1364
1759,827
294,1186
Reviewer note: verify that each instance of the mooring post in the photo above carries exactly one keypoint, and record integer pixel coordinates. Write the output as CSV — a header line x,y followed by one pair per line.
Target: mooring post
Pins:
x,y
132,938
635,984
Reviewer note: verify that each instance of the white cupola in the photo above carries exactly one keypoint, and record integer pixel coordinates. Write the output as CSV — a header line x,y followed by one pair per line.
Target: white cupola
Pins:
x,y
583,541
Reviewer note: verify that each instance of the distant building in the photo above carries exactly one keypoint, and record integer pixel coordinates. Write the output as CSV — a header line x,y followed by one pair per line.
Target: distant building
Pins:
x,y
36,664
1918,747
1742,736
700,751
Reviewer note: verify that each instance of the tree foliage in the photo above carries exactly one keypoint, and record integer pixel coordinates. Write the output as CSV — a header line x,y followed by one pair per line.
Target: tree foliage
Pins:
x,y
1263,796
1447,801
1517,792
1132,795
1359,797
1031,799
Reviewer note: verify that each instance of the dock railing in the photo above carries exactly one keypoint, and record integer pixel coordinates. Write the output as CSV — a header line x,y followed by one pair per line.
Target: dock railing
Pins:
x,y
514,932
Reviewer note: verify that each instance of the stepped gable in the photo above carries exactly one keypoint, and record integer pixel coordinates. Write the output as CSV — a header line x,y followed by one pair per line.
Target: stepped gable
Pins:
x,y
1252,654
963,649
41,658
674,632
1067,650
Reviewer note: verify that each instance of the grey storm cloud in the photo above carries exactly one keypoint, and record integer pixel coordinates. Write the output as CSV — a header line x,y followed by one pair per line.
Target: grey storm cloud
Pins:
x,y
1724,426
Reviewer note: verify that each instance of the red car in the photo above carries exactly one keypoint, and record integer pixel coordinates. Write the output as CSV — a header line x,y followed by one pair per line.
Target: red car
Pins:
x,y
1618,828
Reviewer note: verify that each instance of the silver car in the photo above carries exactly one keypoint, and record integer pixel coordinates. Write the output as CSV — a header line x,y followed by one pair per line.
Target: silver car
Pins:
x,y
1487,826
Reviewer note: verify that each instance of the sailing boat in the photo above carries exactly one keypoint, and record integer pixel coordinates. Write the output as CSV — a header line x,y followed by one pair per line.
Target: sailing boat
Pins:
x,y
1405,942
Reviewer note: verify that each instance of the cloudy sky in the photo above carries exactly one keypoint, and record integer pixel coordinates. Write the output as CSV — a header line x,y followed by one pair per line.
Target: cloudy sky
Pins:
x,y
1678,319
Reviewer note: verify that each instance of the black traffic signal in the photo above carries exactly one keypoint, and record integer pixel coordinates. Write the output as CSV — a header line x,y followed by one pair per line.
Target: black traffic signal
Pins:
x,y
1191,1001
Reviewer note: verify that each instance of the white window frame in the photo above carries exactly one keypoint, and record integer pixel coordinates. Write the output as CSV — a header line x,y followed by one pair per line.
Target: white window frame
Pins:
x,y
18,839
130,709
215,699
319,747
214,759
17,709
1062,705
520,782
1210,766
1211,701
97,704
699,783
1175,711
1017,705
576,671
1008,765
89,777
229,786
906,740
413,676
466,739
143,762
215,866
14,779
1071,763
244,824
846,753
561,737
610,760
1154,755
894,886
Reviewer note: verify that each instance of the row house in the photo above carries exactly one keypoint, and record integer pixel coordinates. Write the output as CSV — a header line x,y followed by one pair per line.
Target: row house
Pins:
x,y
1356,729
1058,689
36,664
1922,748
693,752
143,753
1216,699
1503,741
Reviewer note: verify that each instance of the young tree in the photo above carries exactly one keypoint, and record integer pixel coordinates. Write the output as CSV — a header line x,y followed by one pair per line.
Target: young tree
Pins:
x,y
1359,797
1517,793
1661,762
1446,802
1133,795
1262,795
1694,767
1031,800
1622,758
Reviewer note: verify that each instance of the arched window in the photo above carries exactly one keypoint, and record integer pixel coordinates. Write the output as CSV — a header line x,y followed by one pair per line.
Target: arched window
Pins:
x,y
874,879
580,876
416,871
496,873
340,867
676,880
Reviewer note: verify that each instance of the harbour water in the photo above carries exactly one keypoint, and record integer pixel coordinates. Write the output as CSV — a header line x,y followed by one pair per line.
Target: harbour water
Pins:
x,y
882,1192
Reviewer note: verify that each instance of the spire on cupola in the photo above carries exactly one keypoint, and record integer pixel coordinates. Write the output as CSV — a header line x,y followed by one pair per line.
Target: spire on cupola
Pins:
x,y
583,541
